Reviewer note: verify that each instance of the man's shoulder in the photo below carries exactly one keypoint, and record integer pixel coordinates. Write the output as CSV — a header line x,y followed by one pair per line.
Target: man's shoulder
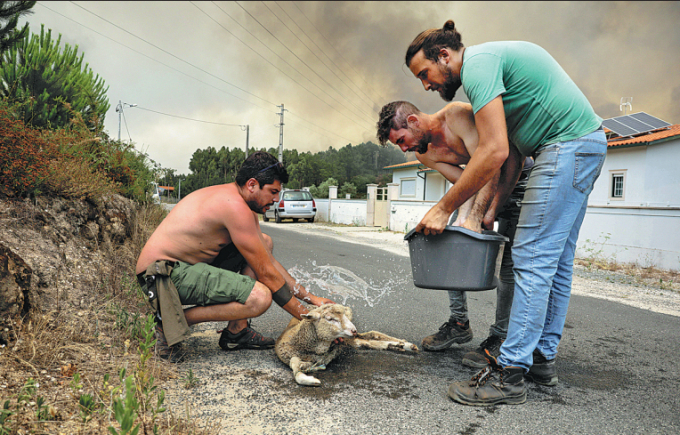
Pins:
x,y
458,107
218,195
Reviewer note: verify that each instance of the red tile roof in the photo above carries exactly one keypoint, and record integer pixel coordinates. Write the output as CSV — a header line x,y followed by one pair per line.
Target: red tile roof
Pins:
x,y
404,165
646,139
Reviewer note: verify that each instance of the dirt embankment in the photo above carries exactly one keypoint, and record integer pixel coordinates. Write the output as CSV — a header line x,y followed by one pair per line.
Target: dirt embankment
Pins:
x,y
55,253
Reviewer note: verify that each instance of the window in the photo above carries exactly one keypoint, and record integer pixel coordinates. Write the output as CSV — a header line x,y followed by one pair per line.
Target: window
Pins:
x,y
617,185
408,187
297,196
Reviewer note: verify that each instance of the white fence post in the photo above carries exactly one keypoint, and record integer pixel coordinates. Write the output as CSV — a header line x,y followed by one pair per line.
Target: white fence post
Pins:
x,y
371,194
392,194
332,194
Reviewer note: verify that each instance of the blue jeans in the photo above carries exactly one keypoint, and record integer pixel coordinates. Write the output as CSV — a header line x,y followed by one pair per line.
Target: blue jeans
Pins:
x,y
553,209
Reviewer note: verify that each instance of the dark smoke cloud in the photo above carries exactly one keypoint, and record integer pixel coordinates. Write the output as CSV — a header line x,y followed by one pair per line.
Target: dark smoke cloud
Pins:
x,y
610,49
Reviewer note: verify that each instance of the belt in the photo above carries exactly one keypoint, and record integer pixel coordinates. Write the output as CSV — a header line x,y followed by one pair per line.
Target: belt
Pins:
x,y
141,279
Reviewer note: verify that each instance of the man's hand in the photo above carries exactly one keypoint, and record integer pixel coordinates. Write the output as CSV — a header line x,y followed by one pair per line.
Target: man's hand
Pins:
x,y
318,301
434,221
489,219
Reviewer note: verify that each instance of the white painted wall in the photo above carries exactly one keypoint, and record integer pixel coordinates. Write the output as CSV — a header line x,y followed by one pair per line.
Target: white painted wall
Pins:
x,y
405,215
643,236
348,212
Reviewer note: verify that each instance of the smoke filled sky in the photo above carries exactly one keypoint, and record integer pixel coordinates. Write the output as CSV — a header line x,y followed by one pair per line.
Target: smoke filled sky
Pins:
x,y
333,65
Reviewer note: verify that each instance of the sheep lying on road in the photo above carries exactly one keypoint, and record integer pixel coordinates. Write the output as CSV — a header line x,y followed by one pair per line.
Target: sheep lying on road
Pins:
x,y
307,345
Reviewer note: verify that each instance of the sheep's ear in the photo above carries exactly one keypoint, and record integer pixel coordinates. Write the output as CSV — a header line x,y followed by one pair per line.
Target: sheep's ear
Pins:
x,y
312,315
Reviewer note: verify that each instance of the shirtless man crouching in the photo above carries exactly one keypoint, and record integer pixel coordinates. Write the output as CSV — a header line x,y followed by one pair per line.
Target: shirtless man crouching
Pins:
x,y
211,250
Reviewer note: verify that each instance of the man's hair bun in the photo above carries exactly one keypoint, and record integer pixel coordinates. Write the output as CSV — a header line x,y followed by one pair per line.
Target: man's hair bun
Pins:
x,y
449,25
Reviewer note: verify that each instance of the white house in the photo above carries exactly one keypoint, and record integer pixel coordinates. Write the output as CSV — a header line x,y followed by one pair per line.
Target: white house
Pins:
x,y
634,210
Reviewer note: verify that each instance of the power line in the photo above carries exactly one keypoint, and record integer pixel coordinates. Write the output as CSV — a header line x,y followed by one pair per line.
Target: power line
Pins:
x,y
172,55
268,61
181,72
339,54
189,119
155,60
303,62
324,53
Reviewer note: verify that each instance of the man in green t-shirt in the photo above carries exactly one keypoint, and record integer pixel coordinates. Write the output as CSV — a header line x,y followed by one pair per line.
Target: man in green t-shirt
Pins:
x,y
519,95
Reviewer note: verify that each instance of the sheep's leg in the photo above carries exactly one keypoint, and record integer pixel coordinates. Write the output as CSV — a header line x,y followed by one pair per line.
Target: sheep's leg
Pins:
x,y
317,366
298,366
379,341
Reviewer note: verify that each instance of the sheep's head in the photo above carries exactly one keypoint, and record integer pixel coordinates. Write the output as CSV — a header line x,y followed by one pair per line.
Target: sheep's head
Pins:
x,y
332,321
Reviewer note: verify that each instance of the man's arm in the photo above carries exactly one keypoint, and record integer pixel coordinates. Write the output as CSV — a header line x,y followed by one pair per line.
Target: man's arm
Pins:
x,y
245,233
297,289
482,201
509,174
488,158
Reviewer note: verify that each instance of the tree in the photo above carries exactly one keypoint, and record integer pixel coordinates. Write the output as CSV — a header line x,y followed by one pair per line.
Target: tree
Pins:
x,y
11,12
348,188
49,85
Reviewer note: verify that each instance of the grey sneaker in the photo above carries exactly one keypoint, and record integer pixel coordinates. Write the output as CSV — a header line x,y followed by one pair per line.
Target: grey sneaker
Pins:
x,y
247,338
543,372
477,358
449,333
492,385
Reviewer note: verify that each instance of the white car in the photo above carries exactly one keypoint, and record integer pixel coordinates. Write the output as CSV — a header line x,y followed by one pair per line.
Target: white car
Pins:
x,y
293,204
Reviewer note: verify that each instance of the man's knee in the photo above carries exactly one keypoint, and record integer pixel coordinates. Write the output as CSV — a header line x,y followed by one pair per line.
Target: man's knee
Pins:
x,y
260,298
268,242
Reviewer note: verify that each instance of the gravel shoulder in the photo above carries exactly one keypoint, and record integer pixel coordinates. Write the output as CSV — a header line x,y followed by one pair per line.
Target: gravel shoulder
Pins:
x,y
597,283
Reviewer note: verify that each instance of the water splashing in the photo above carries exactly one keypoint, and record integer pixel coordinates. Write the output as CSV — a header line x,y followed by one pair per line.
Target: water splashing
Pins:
x,y
338,281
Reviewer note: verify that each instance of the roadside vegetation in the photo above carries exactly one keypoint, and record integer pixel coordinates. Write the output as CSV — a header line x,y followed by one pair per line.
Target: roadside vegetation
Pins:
x,y
78,368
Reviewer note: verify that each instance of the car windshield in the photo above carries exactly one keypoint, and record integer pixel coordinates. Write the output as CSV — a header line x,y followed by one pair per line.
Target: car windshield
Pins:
x,y
297,196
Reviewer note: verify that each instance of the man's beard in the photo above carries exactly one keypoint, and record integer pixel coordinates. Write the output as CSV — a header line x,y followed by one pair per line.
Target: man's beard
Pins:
x,y
257,207
451,84
422,140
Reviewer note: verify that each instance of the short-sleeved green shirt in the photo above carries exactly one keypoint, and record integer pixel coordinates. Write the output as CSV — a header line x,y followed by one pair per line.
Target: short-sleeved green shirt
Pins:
x,y
542,104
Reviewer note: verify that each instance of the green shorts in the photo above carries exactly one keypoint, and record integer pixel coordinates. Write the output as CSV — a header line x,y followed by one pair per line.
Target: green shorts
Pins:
x,y
216,283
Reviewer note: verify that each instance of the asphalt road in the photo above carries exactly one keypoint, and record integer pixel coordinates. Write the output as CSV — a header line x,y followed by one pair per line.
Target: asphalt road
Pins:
x,y
617,365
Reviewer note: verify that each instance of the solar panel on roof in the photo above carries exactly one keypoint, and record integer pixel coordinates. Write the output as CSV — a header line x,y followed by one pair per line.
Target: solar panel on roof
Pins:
x,y
637,123
649,119
618,128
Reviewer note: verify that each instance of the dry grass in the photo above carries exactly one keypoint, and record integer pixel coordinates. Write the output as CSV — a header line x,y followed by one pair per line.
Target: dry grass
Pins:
x,y
61,371
649,276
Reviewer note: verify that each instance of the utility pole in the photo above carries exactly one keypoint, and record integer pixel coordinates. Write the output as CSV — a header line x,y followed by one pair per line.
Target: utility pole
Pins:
x,y
281,133
247,128
119,109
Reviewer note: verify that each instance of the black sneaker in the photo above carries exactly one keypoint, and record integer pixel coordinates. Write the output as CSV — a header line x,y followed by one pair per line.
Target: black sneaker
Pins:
x,y
248,338
173,354
449,333
477,358
506,386
543,372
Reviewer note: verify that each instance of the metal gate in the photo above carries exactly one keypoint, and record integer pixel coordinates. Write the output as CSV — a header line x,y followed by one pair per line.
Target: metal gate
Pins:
x,y
381,211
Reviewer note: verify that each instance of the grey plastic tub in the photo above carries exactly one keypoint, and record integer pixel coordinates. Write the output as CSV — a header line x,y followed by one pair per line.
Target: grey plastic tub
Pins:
x,y
457,259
